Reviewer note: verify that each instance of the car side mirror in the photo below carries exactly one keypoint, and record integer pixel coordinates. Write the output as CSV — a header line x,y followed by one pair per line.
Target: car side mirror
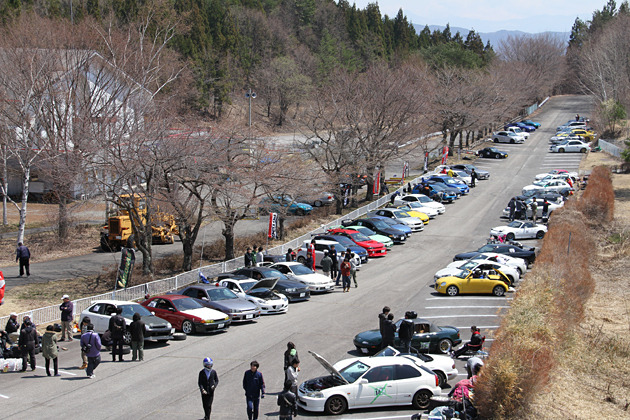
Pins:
x,y
363,381
152,313
171,309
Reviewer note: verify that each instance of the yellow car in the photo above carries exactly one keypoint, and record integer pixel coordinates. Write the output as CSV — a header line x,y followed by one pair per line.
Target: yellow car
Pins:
x,y
415,213
477,281
589,135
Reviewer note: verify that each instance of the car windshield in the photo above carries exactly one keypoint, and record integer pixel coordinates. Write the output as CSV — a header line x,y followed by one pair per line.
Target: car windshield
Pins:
x,y
186,304
343,240
272,272
129,310
354,371
494,149
221,294
358,236
400,213
246,285
379,224
450,181
469,265
424,199
300,269
515,224
462,274
487,248
365,231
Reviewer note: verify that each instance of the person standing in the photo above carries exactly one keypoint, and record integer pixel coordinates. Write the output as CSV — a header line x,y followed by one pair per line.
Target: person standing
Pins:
x,y
512,207
49,349
260,257
346,268
335,264
545,211
311,254
137,338
118,327
27,344
353,270
287,401
208,381
67,316
405,333
473,178
382,317
342,258
326,264
91,345
290,354
254,386
292,374
253,255
389,330
23,255
534,206
83,329
289,255
248,257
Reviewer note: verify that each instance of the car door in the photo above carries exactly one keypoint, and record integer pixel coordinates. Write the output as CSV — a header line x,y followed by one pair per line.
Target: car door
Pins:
x,y
162,309
98,317
406,377
528,230
380,388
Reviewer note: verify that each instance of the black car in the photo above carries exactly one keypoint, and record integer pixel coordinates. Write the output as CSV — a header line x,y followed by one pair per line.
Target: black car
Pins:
x,y
481,174
526,253
293,290
274,258
380,227
492,152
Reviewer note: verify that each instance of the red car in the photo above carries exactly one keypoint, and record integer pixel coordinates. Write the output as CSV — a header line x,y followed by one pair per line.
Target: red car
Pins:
x,y
186,314
373,248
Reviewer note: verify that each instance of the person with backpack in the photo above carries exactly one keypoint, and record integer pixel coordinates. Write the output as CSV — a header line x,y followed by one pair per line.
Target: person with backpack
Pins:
x,y
287,401
118,327
91,346
208,381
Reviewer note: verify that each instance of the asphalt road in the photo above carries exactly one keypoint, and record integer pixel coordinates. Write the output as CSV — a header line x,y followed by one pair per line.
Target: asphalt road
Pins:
x,y
164,385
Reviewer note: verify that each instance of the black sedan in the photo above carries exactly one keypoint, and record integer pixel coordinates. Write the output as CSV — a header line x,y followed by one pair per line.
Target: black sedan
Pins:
x,y
380,227
293,290
526,253
492,152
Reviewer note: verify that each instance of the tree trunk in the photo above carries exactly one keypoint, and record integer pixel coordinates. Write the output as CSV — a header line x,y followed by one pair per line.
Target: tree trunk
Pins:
x,y
228,234
64,221
451,142
188,247
338,205
5,185
26,176
144,245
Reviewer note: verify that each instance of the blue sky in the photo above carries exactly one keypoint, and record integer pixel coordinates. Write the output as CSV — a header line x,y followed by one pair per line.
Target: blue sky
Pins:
x,y
492,15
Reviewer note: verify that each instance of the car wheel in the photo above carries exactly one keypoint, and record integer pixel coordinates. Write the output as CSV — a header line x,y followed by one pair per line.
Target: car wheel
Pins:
x,y
497,156
509,236
583,150
560,150
300,212
188,327
179,336
442,379
511,141
317,203
421,400
301,260
498,291
452,291
127,338
540,234
496,140
445,345
336,405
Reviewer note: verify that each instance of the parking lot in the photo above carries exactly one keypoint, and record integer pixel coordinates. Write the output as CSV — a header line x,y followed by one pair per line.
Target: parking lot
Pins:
x,y
164,386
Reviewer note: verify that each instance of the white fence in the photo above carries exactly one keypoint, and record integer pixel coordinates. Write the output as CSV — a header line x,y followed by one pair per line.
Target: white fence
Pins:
x,y
610,148
52,313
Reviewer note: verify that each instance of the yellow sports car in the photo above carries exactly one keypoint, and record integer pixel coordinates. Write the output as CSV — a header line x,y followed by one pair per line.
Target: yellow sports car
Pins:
x,y
415,213
476,281
589,135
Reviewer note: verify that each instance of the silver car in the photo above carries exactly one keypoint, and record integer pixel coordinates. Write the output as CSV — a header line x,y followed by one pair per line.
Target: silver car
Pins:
x,y
224,300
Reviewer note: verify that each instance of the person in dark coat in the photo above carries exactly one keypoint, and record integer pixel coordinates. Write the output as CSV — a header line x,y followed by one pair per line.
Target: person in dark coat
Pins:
x,y
289,256
208,381
248,257
12,328
473,178
254,386
287,401
382,317
512,207
137,338
335,265
476,342
118,327
389,329
67,316
27,344
83,329
23,255
545,211
405,334
49,349
289,355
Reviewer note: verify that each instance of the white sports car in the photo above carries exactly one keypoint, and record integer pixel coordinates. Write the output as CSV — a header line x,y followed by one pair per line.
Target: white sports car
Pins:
x,y
519,229
421,198
553,185
260,293
456,266
518,263
299,272
418,206
369,382
556,172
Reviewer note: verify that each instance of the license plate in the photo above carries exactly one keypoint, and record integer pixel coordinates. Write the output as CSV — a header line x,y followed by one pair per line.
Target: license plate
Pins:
x,y
364,350
424,345
302,294
221,326
250,316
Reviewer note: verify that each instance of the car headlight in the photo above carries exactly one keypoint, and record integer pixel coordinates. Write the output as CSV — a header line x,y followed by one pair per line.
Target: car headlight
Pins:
x,y
168,325
234,311
260,301
443,284
315,394
208,321
290,289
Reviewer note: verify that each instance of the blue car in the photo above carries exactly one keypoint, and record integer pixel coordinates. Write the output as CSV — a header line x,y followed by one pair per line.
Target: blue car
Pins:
x,y
449,182
392,223
347,243
283,203
532,123
522,126
435,192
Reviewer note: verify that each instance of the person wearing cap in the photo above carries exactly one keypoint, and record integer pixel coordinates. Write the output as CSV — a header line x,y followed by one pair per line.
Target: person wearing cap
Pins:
x,y
28,342
12,328
208,381
326,264
66,309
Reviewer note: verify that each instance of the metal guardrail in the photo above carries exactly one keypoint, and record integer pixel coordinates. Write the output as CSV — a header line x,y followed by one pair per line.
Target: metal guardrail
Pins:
x,y
52,314
610,148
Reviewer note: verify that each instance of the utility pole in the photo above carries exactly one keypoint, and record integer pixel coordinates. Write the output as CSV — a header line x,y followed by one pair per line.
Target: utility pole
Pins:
x,y
250,95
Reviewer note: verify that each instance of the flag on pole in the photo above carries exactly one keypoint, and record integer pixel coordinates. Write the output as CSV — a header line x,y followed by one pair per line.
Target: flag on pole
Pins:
x,y
127,260
426,162
273,226
202,278
404,172
1,288
444,155
376,188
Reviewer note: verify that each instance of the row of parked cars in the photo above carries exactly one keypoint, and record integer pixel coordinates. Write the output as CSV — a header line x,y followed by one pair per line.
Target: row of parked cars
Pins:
x,y
574,136
516,132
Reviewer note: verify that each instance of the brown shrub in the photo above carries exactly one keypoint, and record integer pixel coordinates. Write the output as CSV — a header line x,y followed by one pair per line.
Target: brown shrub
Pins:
x,y
598,200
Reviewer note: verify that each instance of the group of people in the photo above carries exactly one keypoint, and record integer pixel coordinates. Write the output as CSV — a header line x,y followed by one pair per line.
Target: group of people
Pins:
x,y
254,256
254,386
387,327
518,210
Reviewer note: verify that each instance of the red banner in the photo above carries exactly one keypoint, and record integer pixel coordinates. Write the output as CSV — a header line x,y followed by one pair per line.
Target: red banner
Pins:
x,y
273,226
444,155
376,188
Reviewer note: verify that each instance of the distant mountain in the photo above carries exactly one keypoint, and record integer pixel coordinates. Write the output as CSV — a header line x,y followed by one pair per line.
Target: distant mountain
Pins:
x,y
493,37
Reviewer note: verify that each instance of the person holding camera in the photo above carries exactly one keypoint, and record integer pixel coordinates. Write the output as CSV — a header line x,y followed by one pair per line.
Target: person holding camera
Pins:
x,y
91,346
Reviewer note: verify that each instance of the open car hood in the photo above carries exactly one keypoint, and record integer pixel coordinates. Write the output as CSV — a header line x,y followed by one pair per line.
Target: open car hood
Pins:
x,y
328,367
266,283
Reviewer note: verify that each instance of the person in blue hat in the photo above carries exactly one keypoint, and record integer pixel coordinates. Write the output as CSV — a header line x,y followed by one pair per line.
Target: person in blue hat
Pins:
x,y
208,381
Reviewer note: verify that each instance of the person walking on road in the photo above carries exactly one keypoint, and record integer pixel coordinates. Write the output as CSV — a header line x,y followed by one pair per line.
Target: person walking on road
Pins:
x,y
137,338
473,178
118,327
83,329
254,386
342,258
49,349
287,401
335,263
23,255
67,309
27,344
512,207
91,345
326,264
289,355
208,381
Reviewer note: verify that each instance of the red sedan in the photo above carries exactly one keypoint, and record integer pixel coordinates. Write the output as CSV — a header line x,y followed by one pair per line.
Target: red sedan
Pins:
x,y
186,314
373,248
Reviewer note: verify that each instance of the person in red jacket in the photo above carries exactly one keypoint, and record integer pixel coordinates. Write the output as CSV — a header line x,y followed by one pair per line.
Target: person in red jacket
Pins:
x,y
476,341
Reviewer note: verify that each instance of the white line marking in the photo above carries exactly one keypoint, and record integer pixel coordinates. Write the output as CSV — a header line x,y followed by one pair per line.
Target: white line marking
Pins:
x,y
487,327
462,307
464,298
60,371
4,396
461,316
383,418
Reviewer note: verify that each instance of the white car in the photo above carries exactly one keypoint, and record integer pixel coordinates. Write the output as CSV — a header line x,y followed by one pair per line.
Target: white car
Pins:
x,y
572,124
519,263
369,382
519,229
506,137
422,199
549,177
556,172
258,292
570,146
443,366
484,265
556,185
400,216
519,132
316,282
418,206
462,176
155,328
322,245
